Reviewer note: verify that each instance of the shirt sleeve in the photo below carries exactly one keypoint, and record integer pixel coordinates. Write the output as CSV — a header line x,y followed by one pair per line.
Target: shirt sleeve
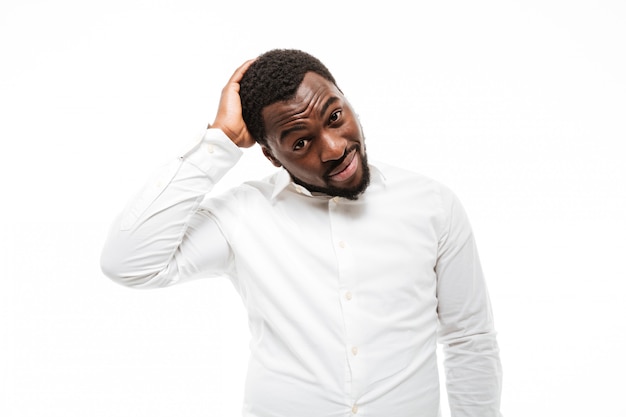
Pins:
x,y
162,237
466,327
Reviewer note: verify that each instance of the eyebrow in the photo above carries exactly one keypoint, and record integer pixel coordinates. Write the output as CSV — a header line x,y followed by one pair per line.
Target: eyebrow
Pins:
x,y
325,107
287,132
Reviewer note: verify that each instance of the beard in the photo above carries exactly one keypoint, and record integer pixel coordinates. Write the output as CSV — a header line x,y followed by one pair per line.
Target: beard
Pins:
x,y
351,193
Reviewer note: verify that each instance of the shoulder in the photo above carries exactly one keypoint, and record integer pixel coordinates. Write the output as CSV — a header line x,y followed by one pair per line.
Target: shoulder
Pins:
x,y
248,192
419,192
408,182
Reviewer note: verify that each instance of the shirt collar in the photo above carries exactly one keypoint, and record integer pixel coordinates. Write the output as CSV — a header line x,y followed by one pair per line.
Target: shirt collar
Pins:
x,y
283,181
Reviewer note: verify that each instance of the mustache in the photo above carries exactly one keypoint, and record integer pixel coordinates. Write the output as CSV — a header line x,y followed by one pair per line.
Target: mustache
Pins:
x,y
336,163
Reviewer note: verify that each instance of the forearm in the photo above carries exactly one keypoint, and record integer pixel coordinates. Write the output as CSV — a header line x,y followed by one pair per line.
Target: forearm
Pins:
x,y
143,248
473,376
467,332
471,354
466,325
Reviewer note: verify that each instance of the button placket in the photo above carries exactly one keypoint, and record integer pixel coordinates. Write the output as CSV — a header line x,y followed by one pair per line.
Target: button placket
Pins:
x,y
341,224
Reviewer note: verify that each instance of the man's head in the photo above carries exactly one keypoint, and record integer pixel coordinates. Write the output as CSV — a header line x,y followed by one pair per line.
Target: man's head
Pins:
x,y
293,108
274,76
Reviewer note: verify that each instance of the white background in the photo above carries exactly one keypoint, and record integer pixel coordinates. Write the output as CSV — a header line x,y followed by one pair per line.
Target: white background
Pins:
x,y
518,106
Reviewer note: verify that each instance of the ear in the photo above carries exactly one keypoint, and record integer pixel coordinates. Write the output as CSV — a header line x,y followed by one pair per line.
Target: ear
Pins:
x,y
268,154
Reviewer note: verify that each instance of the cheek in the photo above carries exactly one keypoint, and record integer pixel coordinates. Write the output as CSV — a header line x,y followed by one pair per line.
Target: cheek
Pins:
x,y
305,169
352,131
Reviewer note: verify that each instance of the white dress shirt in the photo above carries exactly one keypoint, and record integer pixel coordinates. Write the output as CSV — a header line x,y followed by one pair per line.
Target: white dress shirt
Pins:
x,y
346,299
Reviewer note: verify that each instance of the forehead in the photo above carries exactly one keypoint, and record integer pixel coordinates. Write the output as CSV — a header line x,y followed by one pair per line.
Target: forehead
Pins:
x,y
311,100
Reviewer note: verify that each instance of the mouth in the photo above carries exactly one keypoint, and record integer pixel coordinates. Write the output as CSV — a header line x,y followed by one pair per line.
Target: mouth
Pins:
x,y
346,169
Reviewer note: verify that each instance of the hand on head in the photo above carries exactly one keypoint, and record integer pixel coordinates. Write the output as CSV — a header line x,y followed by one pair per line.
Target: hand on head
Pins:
x,y
229,118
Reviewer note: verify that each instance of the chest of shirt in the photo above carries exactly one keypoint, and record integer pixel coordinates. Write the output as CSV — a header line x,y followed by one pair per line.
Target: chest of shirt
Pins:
x,y
307,246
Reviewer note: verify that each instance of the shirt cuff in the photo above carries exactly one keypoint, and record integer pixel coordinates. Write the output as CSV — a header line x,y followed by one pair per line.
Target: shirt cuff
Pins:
x,y
213,153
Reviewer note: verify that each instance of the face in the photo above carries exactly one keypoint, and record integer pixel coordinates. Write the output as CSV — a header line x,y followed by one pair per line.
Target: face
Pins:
x,y
317,138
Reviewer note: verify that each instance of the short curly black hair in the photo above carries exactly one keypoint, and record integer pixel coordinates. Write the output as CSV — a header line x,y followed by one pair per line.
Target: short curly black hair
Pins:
x,y
274,76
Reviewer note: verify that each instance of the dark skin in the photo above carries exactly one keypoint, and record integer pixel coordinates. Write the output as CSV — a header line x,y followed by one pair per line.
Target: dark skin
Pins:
x,y
229,118
315,136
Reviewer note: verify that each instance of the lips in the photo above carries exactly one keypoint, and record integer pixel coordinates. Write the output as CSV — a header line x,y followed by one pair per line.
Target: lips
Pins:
x,y
346,168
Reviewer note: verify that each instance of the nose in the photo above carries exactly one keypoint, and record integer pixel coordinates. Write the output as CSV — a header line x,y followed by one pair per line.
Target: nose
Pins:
x,y
333,147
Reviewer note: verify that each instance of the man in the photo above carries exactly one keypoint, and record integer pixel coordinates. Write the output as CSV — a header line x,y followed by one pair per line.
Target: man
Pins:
x,y
350,272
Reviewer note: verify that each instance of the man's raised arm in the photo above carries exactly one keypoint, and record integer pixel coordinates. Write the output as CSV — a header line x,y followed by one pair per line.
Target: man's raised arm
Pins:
x,y
161,237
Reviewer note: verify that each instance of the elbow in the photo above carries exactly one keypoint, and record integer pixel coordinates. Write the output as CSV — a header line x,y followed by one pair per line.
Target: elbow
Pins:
x,y
122,272
113,268
109,265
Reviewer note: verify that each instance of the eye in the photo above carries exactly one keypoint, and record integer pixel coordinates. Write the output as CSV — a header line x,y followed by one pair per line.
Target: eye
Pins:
x,y
336,115
300,143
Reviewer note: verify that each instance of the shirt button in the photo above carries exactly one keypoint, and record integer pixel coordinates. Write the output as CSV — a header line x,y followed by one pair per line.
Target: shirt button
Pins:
x,y
355,408
336,199
355,350
348,296
342,244
210,148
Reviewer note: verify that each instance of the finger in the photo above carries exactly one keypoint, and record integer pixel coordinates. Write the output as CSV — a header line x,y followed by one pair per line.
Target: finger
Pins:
x,y
238,74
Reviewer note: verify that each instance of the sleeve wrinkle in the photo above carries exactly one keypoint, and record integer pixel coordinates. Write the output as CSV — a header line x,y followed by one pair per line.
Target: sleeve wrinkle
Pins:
x,y
162,238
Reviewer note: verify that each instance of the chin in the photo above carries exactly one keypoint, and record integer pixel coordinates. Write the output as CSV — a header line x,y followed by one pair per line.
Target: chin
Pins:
x,y
350,193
